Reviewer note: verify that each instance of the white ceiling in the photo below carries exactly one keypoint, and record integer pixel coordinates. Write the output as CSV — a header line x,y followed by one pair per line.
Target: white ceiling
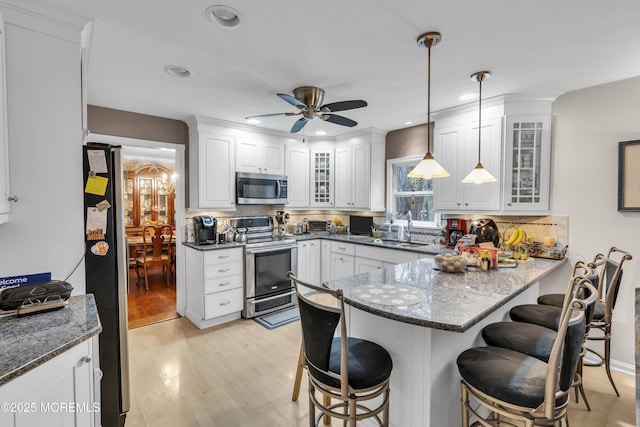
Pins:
x,y
354,49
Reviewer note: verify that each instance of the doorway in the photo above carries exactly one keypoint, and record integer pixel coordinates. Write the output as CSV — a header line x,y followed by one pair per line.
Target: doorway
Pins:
x,y
149,199
164,164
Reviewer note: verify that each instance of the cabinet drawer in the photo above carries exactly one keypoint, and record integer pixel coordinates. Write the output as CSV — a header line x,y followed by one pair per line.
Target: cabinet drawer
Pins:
x,y
220,284
222,256
222,303
222,270
343,248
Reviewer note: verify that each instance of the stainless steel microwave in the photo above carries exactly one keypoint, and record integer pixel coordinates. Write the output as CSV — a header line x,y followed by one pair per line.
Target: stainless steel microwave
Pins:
x,y
260,189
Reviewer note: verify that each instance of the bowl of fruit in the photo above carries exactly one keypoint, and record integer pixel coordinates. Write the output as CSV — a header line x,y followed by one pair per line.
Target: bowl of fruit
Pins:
x,y
450,263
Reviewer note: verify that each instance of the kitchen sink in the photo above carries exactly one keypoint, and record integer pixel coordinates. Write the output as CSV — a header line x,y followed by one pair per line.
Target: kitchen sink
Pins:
x,y
396,244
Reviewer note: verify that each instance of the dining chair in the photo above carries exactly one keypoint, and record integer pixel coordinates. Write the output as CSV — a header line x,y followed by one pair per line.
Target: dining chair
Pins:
x,y
349,370
156,241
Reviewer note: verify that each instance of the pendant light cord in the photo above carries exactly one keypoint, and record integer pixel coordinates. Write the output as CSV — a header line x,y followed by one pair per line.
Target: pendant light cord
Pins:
x,y
480,118
429,99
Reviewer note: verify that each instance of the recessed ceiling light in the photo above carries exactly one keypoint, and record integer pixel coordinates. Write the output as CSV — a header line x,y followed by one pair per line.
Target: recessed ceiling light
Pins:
x,y
177,71
408,122
467,96
321,132
222,15
253,121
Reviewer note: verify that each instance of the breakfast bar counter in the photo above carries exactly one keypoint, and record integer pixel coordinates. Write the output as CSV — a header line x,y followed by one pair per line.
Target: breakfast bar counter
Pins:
x,y
425,318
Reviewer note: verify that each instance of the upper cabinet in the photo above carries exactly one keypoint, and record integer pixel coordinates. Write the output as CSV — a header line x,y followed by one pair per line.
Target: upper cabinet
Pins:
x,y
322,177
527,160
5,196
297,170
516,150
259,156
359,171
211,166
456,148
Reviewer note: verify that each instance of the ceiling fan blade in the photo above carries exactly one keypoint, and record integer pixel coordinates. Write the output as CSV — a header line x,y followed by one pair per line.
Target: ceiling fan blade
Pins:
x,y
343,105
338,120
299,124
273,114
291,100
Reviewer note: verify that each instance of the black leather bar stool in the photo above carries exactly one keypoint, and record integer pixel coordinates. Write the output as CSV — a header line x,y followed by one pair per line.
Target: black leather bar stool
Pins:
x,y
610,277
518,386
348,370
537,341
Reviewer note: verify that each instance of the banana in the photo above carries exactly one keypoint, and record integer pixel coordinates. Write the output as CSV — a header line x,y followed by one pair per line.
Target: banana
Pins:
x,y
513,237
521,235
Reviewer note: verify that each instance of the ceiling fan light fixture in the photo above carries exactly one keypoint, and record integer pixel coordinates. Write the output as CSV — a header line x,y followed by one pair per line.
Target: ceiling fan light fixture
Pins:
x,y
253,121
321,132
225,16
428,168
467,96
479,175
177,71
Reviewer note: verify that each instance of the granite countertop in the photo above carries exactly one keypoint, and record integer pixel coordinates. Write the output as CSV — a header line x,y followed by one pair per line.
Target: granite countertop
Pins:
x,y
28,342
217,246
452,301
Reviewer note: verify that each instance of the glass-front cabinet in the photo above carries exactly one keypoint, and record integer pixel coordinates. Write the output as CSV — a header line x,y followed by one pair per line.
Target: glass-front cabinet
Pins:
x,y
322,178
148,196
527,164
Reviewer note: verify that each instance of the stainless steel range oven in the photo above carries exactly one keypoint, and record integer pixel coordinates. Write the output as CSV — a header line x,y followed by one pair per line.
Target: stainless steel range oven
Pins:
x,y
267,260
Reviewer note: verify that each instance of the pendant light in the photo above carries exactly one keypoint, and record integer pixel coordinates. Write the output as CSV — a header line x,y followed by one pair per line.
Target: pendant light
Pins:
x,y
479,175
428,168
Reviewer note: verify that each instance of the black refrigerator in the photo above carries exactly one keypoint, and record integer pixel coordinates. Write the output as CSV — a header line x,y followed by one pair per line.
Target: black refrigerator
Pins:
x,y
106,270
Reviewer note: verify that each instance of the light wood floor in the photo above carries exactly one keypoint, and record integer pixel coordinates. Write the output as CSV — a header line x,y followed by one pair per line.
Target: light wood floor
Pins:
x,y
241,374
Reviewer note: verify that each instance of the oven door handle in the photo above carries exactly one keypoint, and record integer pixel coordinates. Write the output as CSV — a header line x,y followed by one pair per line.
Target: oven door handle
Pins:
x,y
270,249
258,301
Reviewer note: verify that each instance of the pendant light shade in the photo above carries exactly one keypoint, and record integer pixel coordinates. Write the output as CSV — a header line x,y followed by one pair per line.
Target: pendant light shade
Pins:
x,y
479,175
428,168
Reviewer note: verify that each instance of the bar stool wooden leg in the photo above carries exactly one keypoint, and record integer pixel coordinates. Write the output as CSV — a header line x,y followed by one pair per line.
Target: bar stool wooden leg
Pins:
x,y
296,383
326,400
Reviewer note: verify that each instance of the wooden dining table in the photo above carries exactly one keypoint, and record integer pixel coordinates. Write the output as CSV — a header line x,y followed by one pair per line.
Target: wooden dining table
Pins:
x,y
136,247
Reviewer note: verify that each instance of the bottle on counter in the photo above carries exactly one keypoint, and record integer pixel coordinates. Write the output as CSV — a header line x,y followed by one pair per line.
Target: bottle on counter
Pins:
x,y
305,226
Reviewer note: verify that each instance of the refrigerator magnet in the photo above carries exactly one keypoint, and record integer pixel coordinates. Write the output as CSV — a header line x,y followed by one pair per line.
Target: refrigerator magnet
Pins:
x,y
101,248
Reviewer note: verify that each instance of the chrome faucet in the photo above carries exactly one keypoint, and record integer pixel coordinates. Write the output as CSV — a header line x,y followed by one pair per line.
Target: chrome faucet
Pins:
x,y
409,225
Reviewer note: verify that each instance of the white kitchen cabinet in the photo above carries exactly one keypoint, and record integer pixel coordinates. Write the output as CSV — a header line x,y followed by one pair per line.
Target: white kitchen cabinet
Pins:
x,y
297,171
215,280
60,392
211,168
342,260
309,255
5,207
359,167
527,161
456,148
260,156
364,265
322,178
325,257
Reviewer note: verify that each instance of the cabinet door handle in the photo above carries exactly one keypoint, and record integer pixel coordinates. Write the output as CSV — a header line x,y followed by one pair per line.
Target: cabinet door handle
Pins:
x,y
509,204
224,256
227,302
342,248
466,203
458,203
12,198
224,270
86,359
224,284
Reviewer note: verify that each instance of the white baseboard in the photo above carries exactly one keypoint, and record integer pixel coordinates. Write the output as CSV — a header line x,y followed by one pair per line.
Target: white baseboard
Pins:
x,y
622,367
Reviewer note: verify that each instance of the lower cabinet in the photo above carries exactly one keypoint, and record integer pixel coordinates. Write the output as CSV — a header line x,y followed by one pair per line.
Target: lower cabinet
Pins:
x,y
309,253
61,392
368,258
342,260
215,281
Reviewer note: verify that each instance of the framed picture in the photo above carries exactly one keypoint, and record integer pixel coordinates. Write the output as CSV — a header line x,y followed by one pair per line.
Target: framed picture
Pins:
x,y
629,176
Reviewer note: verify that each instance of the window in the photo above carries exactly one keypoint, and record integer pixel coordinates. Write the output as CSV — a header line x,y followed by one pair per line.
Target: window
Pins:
x,y
406,194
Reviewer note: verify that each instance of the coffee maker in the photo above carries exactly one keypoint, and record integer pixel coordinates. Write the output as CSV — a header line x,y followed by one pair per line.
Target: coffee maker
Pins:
x,y
205,229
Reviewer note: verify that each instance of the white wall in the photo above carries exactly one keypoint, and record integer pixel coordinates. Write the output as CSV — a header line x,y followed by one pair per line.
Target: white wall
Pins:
x,y
45,232
589,123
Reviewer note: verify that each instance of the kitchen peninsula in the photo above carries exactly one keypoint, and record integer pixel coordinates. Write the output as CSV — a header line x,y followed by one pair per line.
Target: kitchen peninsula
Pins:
x,y
425,338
